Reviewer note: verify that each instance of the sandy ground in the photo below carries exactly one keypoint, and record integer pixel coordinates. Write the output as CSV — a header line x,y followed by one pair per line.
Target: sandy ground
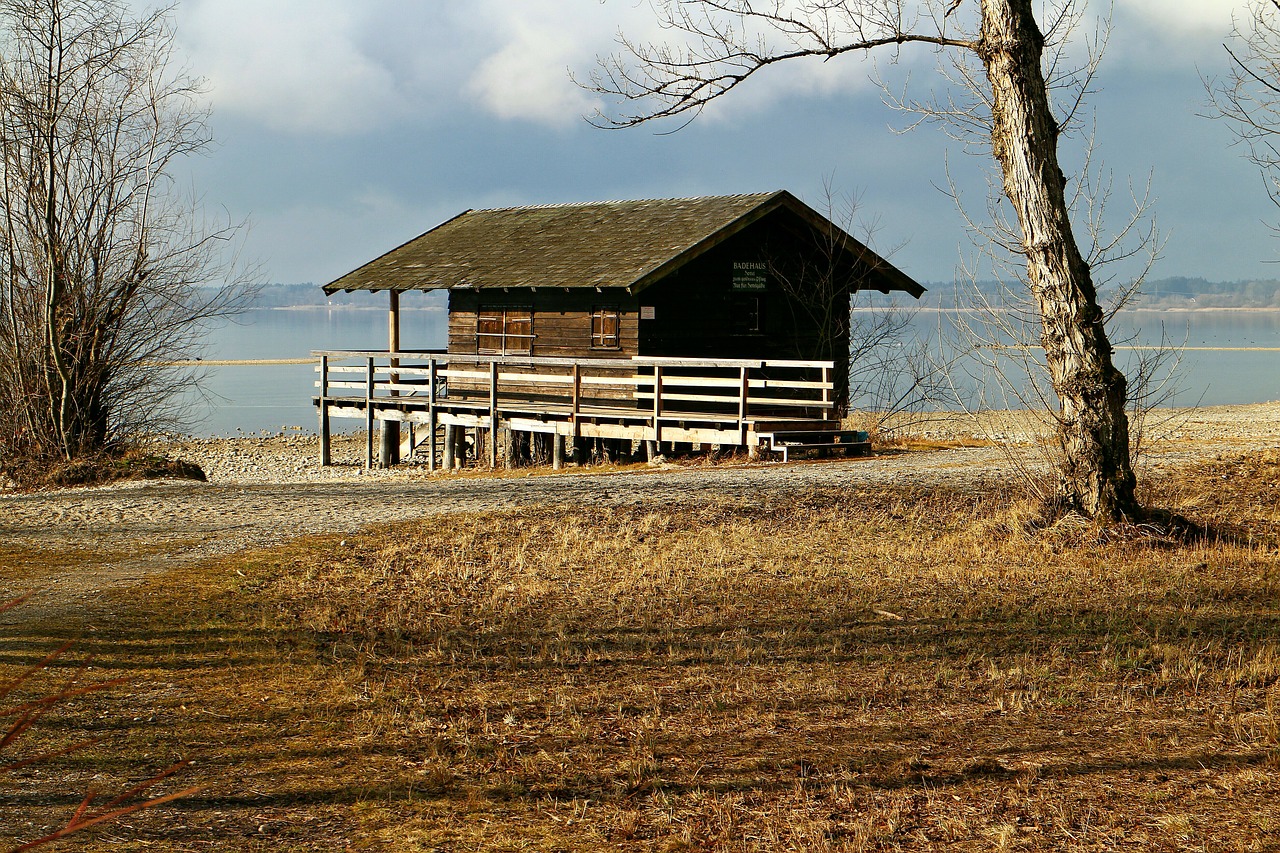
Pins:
x,y
268,489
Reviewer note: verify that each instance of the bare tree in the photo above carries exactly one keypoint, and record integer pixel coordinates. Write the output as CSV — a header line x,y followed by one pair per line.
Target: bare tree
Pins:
x,y
729,41
105,265
1249,95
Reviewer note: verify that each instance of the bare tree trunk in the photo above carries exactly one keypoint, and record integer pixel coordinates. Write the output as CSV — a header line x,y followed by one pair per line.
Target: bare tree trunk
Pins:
x,y
1096,476
52,249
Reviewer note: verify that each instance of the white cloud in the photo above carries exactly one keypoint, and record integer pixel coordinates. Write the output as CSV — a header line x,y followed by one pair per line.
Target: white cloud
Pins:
x,y
290,64
1179,35
1182,17
523,65
532,48
340,67
527,78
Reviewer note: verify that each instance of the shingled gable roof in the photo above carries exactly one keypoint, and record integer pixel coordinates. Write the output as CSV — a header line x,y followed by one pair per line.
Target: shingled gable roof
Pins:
x,y
627,244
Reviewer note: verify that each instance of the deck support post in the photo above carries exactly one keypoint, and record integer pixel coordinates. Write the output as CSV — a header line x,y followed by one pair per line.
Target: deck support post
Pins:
x,y
510,448
368,415
459,447
650,451
557,451
744,390
828,410
493,415
389,452
576,402
657,404
389,443
325,458
431,414
449,444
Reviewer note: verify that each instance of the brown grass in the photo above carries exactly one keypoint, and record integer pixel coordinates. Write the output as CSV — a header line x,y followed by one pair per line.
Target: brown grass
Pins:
x,y
846,670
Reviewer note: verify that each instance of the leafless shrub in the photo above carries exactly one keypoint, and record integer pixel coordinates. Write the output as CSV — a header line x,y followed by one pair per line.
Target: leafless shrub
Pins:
x,y
108,271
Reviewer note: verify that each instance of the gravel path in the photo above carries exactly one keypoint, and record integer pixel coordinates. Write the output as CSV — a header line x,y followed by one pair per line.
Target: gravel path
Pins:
x,y
264,490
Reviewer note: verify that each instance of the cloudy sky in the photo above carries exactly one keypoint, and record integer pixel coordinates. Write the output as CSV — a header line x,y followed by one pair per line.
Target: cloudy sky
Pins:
x,y
345,127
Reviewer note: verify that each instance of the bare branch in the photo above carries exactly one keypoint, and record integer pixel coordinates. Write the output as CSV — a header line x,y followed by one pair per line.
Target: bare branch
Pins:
x,y
728,43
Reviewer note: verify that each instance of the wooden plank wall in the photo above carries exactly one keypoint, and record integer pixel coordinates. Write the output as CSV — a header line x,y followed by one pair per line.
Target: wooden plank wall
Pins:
x,y
561,324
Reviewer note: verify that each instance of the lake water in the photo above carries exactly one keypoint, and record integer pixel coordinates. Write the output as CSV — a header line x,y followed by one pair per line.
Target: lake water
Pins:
x,y
251,399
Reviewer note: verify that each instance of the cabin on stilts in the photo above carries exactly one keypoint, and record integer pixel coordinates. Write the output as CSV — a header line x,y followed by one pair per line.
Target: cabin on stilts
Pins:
x,y
614,327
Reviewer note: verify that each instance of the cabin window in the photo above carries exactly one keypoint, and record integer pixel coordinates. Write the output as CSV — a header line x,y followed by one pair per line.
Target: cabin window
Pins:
x,y
604,327
504,330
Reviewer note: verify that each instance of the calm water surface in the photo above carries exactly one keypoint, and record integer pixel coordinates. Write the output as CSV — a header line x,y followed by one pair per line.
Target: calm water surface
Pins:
x,y
250,399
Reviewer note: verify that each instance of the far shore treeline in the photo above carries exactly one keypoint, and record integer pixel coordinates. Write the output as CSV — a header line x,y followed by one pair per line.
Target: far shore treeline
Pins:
x,y
1158,294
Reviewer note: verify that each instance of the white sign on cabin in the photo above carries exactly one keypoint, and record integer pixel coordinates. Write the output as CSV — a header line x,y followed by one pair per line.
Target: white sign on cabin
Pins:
x,y
646,312
751,276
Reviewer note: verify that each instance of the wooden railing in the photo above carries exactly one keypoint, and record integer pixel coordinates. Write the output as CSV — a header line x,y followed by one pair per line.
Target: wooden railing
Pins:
x,y
418,385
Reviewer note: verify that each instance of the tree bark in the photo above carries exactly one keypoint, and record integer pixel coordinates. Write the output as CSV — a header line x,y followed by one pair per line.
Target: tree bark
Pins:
x,y
1096,476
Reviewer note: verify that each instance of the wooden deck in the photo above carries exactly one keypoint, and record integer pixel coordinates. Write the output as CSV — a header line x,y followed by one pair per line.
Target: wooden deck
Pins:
x,y
775,406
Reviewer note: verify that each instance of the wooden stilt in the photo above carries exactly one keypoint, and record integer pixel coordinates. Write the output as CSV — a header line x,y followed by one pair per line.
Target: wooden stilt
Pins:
x,y
368,416
450,446
557,452
431,415
389,445
460,447
493,416
510,447
325,458
389,453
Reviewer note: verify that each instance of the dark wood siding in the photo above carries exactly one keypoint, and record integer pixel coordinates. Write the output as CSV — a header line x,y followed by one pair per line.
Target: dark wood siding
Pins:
x,y
698,311
561,320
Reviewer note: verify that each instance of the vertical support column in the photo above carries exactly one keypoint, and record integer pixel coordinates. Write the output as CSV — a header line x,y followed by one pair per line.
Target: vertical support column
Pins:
x,y
828,411
493,414
744,390
510,448
557,451
388,443
460,446
449,444
657,403
325,458
368,414
431,414
389,452
577,398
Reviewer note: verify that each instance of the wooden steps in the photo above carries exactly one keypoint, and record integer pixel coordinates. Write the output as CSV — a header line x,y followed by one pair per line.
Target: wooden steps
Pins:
x,y
851,441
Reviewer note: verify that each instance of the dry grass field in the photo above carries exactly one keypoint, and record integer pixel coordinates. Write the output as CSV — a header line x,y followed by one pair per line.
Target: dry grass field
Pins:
x,y
851,669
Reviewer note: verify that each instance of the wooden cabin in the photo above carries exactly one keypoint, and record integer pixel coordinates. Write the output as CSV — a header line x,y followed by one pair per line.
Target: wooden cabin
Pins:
x,y
760,276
